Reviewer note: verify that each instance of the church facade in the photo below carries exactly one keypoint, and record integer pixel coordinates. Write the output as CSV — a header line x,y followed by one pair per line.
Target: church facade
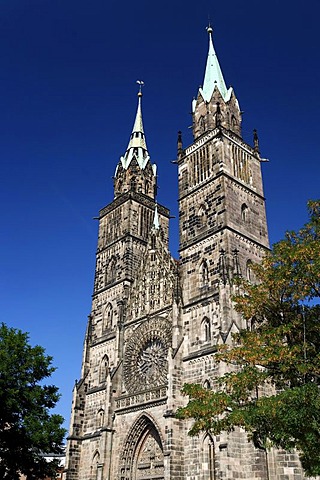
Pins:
x,y
156,322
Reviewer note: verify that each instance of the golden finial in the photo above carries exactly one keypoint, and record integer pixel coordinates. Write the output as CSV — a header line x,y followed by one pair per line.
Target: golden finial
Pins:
x,y
141,84
209,28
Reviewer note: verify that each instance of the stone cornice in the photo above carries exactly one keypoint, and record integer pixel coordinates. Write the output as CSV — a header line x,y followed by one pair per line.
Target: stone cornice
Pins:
x,y
214,231
113,284
222,173
201,353
141,400
216,133
104,338
119,238
136,196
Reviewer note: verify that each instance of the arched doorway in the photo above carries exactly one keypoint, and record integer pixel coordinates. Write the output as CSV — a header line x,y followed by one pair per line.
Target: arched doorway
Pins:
x,y
142,457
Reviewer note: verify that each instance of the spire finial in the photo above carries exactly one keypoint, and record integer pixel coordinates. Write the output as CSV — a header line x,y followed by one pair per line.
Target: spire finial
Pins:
x,y
137,144
156,224
256,141
179,144
213,75
141,84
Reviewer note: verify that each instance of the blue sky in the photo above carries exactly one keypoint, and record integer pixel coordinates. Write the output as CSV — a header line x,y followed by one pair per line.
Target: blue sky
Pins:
x,y
67,104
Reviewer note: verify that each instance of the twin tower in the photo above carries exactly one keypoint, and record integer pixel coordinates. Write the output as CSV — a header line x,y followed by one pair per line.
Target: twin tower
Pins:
x,y
155,321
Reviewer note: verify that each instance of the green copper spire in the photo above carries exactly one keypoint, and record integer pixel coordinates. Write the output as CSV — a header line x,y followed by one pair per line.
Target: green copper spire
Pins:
x,y
137,138
213,76
137,146
134,171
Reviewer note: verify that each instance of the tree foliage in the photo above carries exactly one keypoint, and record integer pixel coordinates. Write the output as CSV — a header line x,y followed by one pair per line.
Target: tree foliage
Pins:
x,y
27,429
272,388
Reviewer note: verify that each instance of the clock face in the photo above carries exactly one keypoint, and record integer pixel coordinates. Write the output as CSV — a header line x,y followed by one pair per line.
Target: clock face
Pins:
x,y
145,362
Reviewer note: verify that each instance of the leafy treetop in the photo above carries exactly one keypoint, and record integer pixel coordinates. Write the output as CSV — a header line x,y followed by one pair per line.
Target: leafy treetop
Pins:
x,y
272,388
27,429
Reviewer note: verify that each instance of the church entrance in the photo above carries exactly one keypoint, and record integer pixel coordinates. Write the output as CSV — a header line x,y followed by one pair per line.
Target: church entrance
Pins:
x,y
142,457
149,461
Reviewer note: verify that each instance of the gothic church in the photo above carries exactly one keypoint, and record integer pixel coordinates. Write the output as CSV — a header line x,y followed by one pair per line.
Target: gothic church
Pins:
x,y
156,322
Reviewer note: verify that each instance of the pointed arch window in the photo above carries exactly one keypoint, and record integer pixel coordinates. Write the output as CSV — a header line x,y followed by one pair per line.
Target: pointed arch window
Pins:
x,y
96,467
244,213
201,216
108,317
249,271
112,270
103,369
204,274
100,418
207,385
206,329
209,458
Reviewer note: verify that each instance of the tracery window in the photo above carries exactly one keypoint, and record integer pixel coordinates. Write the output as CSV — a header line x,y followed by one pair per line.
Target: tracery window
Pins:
x,y
241,164
146,219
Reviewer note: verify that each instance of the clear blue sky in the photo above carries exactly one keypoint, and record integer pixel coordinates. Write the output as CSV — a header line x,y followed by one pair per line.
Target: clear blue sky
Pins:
x,y
67,104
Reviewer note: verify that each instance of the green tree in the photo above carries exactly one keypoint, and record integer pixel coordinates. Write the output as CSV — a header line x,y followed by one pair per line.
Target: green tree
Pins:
x,y
27,429
272,388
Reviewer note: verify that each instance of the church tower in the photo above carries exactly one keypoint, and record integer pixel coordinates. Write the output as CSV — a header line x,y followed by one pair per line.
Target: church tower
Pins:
x,y
221,209
223,229
131,329
156,322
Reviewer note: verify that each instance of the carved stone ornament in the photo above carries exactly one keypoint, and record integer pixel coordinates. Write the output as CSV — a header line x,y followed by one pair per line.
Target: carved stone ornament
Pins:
x,y
145,364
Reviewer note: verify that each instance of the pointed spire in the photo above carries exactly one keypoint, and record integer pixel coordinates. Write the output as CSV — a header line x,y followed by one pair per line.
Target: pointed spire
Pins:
x,y
215,106
256,141
213,74
137,138
156,224
179,145
137,146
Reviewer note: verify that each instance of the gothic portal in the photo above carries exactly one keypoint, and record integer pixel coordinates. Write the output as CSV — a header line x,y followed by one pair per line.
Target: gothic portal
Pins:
x,y
156,322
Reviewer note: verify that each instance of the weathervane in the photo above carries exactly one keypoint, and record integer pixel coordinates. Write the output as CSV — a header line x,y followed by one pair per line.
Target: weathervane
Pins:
x,y
141,84
209,28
